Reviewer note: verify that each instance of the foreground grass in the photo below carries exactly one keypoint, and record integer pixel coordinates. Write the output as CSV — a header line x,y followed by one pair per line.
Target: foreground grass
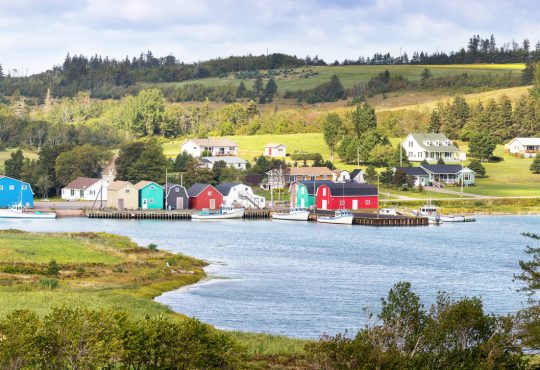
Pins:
x,y
104,271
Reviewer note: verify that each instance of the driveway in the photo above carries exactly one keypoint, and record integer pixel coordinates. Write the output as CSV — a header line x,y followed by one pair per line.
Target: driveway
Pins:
x,y
456,193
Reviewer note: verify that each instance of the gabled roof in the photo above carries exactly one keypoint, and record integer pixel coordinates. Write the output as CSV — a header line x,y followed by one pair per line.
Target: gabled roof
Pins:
x,y
355,172
422,138
170,185
197,189
117,185
273,145
226,158
310,171
311,186
22,182
533,141
443,168
142,184
81,183
212,142
412,171
226,187
351,189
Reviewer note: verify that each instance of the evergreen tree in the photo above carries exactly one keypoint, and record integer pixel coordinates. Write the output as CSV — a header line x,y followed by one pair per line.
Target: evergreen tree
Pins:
x,y
387,177
535,166
270,90
1,72
440,161
477,167
457,116
370,175
482,146
362,119
434,122
426,73
13,166
241,91
258,86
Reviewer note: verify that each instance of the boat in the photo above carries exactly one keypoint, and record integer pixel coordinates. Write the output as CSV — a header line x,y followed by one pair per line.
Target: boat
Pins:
x,y
224,212
388,211
431,212
18,211
341,217
294,214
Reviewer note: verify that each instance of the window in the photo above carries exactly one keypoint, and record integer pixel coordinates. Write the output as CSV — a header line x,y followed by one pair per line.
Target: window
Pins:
x,y
437,143
368,202
467,177
72,192
341,202
210,192
420,155
324,192
410,154
81,193
151,201
11,187
177,190
411,144
1,187
428,143
324,177
152,187
127,191
312,178
24,187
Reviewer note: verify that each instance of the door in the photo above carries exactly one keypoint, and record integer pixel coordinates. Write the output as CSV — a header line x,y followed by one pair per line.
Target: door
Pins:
x,y
355,204
145,203
303,203
179,203
212,204
120,204
324,204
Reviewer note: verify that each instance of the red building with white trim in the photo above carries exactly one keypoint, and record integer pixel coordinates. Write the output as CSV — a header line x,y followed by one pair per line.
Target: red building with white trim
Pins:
x,y
204,196
351,196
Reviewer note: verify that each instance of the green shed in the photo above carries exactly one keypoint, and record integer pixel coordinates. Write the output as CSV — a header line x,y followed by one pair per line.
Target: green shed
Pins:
x,y
151,195
305,192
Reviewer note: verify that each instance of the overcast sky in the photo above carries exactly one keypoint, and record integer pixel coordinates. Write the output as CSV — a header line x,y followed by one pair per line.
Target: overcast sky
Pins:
x,y
37,34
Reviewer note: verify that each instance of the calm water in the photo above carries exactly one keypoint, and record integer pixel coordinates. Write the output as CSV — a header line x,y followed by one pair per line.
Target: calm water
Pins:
x,y
303,279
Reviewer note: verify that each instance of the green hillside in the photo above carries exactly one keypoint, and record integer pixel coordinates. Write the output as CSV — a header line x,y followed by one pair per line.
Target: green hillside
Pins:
x,y
351,75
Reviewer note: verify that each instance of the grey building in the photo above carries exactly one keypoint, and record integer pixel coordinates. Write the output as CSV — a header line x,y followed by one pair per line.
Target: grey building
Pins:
x,y
176,197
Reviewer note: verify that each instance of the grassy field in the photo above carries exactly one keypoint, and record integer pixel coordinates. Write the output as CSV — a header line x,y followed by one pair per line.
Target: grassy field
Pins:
x,y
351,75
99,270
6,154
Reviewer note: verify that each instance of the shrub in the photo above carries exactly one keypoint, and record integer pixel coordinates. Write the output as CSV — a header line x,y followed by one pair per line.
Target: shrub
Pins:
x,y
152,247
52,268
49,283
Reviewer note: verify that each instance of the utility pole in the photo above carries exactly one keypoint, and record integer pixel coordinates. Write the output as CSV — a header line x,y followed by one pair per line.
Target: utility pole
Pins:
x,y
378,197
400,155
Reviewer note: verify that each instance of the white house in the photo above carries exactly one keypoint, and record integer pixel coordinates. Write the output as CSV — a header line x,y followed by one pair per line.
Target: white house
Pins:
x,y
216,146
234,162
357,175
431,147
342,176
526,146
439,175
275,150
240,195
85,188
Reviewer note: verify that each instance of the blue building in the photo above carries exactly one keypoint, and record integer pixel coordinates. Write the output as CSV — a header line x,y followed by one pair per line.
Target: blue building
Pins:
x,y
14,191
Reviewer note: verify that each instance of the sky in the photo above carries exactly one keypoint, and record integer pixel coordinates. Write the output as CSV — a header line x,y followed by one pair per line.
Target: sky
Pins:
x,y
37,34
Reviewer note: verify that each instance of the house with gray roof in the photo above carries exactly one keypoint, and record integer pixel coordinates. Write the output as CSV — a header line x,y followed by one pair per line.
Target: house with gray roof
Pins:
x,y
213,146
234,162
439,175
431,147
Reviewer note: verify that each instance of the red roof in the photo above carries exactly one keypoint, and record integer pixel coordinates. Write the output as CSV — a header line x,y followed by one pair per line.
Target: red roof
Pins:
x,y
81,183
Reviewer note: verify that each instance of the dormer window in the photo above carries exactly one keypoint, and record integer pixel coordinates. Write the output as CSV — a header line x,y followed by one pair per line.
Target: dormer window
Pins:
x,y
428,143
447,142
437,143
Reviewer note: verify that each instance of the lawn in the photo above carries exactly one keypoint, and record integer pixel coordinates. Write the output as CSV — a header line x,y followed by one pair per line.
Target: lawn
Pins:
x,y
352,75
6,154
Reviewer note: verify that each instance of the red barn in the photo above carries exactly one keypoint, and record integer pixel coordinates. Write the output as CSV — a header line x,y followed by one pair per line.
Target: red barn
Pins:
x,y
347,196
204,196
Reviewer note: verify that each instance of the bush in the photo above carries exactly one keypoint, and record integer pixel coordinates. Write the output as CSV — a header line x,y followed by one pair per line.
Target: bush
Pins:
x,y
477,167
152,247
52,268
535,166
49,283
304,156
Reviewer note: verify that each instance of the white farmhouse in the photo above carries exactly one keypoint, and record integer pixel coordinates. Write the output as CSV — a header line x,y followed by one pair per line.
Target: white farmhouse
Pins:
x,y
216,147
233,162
275,150
527,147
240,195
85,188
431,147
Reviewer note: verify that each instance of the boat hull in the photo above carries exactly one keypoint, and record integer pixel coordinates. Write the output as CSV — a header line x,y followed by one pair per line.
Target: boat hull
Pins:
x,y
344,220
297,216
218,216
43,216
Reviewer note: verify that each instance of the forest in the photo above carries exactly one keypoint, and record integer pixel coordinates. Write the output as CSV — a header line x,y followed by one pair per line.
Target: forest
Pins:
x,y
106,77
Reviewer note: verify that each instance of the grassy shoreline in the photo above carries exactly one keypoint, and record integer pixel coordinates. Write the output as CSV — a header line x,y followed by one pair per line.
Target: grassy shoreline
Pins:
x,y
100,270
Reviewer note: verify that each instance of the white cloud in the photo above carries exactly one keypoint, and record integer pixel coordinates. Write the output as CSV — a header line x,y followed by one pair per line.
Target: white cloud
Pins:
x,y
36,34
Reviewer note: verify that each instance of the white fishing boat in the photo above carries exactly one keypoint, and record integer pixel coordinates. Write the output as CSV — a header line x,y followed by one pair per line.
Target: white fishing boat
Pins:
x,y
431,212
388,211
294,214
225,212
18,211
341,217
